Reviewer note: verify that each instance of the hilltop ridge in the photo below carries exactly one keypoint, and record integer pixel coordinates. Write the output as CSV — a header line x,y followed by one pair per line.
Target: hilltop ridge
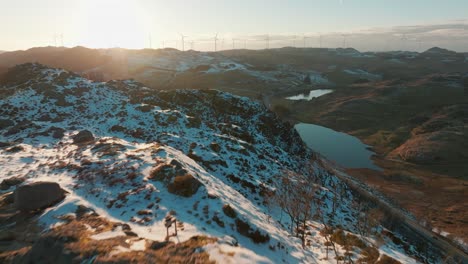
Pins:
x,y
129,156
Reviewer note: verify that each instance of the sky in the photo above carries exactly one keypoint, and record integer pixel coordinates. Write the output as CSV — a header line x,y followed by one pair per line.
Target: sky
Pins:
x,y
362,24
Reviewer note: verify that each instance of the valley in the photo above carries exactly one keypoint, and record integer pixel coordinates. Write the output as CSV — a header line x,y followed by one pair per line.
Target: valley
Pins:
x,y
225,123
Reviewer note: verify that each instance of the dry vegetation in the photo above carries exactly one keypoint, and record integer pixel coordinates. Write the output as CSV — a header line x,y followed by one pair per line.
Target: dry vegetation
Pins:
x,y
71,241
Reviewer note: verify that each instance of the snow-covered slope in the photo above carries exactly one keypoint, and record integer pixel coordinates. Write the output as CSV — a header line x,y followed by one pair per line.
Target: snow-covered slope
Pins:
x,y
187,153
206,64
177,61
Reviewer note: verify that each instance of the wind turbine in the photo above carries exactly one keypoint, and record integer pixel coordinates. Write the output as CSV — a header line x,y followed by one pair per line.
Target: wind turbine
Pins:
x,y
192,44
304,38
419,44
344,40
294,40
403,39
216,42
150,41
183,41
61,39
267,41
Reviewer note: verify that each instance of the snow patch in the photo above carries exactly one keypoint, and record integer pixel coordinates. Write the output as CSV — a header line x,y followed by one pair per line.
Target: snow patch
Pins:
x,y
227,254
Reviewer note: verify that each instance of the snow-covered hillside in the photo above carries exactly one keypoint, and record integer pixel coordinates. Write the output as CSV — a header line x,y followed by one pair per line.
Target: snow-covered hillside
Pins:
x,y
206,157
176,63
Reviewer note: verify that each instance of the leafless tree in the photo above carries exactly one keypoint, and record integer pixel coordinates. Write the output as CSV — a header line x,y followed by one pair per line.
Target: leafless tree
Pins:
x,y
295,195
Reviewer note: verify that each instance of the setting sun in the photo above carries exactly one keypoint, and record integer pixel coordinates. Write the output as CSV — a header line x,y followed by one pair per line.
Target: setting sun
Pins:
x,y
110,23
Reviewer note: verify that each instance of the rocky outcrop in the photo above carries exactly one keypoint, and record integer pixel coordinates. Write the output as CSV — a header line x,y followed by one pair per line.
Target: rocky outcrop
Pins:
x,y
10,182
83,137
176,179
37,195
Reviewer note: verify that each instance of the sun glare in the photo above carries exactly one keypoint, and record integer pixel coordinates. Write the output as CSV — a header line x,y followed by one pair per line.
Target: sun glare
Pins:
x,y
111,23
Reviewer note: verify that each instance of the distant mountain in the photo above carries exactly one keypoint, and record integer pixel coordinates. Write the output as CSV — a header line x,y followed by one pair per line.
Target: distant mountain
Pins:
x,y
75,59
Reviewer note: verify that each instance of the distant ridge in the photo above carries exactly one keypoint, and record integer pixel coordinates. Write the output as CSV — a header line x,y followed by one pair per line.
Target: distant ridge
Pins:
x,y
441,51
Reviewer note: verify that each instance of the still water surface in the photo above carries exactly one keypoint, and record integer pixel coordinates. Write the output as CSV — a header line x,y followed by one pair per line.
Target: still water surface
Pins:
x,y
344,149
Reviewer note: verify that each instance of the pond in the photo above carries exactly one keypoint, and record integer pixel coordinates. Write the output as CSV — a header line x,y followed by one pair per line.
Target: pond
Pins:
x,y
344,149
312,94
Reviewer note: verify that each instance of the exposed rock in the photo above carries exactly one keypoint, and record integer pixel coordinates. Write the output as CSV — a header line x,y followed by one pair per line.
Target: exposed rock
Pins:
x,y
15,149
57,132
5,144
229,211
21,126
49,249
215,147
158,245
38,195
186,185
117,128
4,123
13,181
164,172
83,137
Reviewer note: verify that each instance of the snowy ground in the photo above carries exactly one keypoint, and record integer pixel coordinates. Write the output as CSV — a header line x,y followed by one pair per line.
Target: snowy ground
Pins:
x,y
230,144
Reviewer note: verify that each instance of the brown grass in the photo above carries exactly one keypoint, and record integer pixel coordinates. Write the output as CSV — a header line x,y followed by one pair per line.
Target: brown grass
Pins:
x,y
72,242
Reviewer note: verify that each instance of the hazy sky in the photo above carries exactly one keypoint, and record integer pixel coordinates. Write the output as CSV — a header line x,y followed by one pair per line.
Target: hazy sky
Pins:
x,y
367,24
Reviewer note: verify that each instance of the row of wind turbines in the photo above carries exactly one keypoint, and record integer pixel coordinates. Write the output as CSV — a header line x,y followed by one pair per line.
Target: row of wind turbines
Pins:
x,y
242,42
341,41
294,40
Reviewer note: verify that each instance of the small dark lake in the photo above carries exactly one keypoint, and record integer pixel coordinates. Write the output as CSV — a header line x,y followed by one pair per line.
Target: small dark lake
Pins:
x,y
344,149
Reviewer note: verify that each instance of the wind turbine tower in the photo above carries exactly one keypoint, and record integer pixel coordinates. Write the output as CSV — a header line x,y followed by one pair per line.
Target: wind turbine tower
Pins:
x,y
150,42
267,41
183,41
403,39
216,42
344,40
304,39
419,44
